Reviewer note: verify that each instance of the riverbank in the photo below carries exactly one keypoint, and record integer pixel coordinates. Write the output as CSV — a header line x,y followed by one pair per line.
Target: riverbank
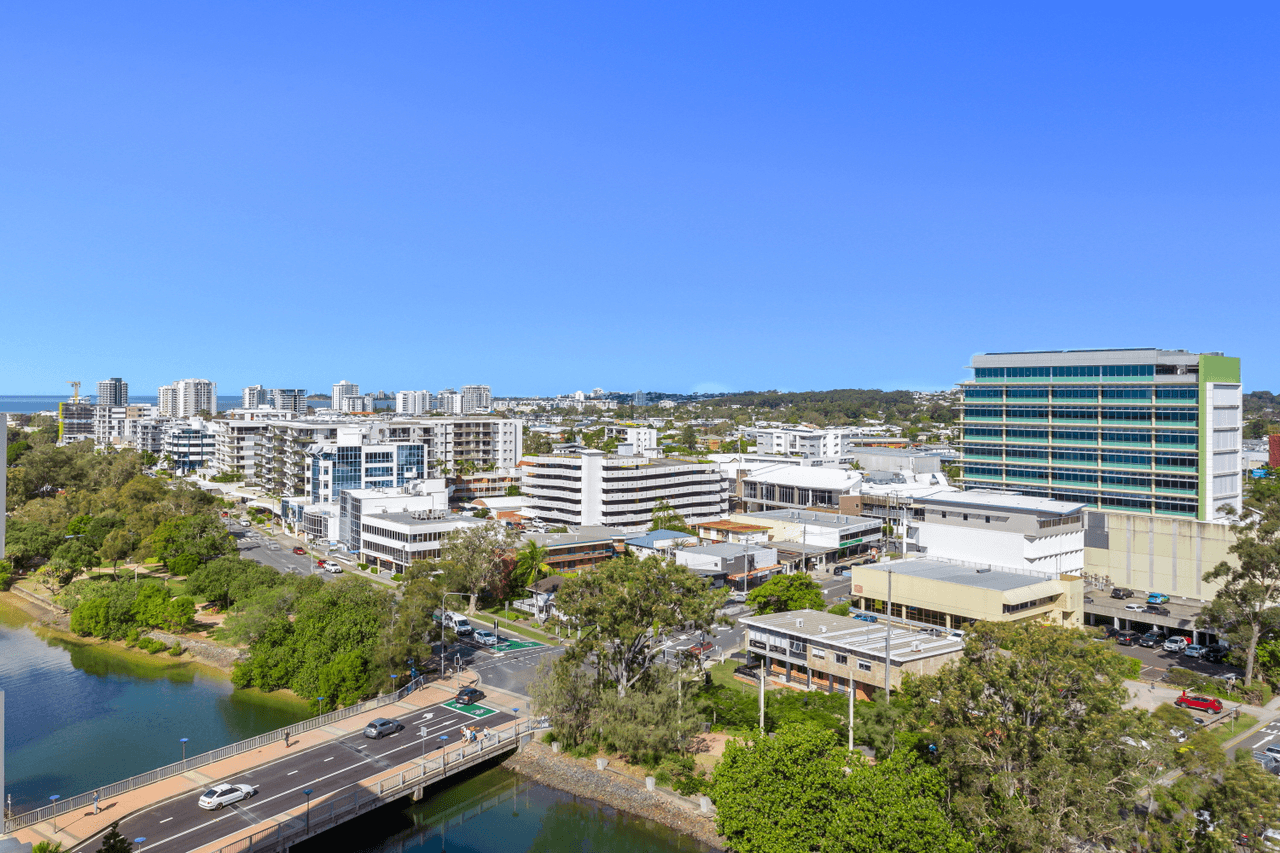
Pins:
x,y
581,778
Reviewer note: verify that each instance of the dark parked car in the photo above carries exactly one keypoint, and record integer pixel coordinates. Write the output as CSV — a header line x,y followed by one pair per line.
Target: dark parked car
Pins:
x,y
1156,610
468,696
1128,638
1151,639
1214,654
1121,592
1110,632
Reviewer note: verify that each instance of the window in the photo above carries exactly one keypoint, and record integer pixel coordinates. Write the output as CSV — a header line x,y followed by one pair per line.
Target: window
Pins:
x,y
983,412
1075,393
1185,415
1127,436
965,516
1075,435
797,646
863,666
1177,393
1074,477
1077,457
842,659
983,432
1026,372
1126,413
1028,393
1076,413
988,372
981,471
988,519
1025,453
1129,481
1075,370
819,653
1128,370
1031,434
1188,440
1026,412
983,393
1121,392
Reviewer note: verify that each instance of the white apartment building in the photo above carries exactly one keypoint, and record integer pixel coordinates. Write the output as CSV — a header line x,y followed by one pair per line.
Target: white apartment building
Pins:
x,y
355,403
240,447
113,392
413,402
591,487
353,452
812,443
356,506
476,398
253,397
633,441
146,435
449,402
340,390
187,398
190,445
110,428
288,400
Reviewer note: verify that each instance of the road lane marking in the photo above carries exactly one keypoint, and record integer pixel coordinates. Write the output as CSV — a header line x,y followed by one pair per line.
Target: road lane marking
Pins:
x,y
166,820
331,757
291,772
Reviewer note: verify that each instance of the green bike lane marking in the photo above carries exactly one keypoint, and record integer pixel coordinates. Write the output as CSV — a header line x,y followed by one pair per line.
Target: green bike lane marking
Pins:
x,y
477,711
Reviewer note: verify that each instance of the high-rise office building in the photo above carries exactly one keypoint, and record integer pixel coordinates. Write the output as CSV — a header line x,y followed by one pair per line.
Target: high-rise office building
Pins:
x,y
188,397
113,392
253,397
1126,430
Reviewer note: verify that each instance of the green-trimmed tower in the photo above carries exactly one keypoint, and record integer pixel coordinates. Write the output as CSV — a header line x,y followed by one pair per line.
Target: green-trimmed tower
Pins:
x,y
1129,430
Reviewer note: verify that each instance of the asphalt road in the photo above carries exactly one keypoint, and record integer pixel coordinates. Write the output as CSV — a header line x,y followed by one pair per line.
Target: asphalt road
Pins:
x,y
254,545
1156,662
336,767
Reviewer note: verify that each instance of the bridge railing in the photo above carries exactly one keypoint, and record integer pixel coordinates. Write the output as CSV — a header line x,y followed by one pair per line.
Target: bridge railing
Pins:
x,y
80,801
332,812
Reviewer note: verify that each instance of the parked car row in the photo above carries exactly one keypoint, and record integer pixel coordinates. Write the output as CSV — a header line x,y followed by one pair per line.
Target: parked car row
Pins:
x,y
1152,598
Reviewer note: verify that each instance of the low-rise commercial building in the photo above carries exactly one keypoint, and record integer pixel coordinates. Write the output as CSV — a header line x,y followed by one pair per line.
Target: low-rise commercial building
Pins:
x,y
811,650
392,541
810,540
947,595
581,548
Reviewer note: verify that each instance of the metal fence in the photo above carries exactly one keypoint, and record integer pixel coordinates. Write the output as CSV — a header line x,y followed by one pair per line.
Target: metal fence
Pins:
x,y
330,813
116,788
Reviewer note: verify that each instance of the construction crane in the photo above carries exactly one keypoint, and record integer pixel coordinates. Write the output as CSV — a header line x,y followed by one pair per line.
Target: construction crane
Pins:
x,y
75,386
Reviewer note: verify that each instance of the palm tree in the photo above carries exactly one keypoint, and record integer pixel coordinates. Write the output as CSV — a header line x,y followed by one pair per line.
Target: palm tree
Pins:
x,y
531,564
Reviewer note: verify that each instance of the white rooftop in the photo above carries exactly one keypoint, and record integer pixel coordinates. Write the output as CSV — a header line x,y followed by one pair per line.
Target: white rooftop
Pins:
x,y
1003,500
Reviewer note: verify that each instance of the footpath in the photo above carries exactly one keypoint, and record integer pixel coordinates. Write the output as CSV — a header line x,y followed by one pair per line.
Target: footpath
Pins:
x,y
1149,695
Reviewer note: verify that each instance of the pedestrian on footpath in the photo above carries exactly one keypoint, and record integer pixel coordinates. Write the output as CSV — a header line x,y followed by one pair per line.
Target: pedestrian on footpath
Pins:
x,y
95,802
286,740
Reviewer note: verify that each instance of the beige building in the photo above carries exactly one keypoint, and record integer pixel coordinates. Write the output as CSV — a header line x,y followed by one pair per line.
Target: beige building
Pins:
x,y
1155,554
812,650
947,595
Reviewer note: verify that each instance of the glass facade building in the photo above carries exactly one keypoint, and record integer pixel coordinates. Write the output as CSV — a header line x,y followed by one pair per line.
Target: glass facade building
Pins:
x,y
1141,430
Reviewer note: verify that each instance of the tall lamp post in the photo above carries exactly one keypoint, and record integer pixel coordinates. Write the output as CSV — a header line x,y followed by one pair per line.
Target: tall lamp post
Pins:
x,y
183,741
320,699
308,793
54,799
141,840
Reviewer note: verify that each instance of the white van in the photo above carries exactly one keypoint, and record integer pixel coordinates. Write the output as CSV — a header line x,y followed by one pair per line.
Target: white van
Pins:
x,y
457,623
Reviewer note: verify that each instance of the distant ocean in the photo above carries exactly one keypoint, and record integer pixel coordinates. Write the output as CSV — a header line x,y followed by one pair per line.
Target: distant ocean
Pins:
x,y
28,404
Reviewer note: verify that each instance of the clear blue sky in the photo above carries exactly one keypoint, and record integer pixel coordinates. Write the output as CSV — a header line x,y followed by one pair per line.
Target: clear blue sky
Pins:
x,y
555,196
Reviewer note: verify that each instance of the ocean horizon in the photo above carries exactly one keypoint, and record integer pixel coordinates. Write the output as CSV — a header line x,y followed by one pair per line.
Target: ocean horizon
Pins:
x,y
29,404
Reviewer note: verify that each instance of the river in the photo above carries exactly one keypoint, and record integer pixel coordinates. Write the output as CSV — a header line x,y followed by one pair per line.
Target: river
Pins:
x,y
78,717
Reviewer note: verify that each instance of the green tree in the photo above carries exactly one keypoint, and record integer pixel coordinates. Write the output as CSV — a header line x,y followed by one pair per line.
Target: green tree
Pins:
x,y
531,564
628,607
1029,727
800,791
665,517
414,628
117,545
567,695
473,556
1244,608
782,593
114,842
689,438
26,542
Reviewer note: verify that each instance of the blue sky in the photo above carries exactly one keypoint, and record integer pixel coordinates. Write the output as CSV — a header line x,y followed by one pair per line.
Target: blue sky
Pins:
x,y
548,197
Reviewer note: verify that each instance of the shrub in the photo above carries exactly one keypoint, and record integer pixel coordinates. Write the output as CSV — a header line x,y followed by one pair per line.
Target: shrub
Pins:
x,y
1132,667
131,639
176,650
841,609
663,778
397,577
689,785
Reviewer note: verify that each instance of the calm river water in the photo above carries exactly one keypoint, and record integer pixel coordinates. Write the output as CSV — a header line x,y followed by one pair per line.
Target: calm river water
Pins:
x,y
79,717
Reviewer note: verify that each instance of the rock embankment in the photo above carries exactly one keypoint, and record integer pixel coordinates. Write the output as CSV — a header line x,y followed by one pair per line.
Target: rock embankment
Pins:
x,y
582,779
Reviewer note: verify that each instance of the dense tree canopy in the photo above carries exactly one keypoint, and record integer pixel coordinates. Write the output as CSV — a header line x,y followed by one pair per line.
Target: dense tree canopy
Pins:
x,y
782,593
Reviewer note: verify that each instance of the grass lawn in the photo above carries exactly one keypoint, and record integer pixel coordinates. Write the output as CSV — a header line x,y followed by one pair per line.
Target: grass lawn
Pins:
x,y
511,627
1223,731
722,674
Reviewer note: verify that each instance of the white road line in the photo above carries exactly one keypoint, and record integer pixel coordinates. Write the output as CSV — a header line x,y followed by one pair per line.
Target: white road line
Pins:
x,y
166,820
330,758
291,772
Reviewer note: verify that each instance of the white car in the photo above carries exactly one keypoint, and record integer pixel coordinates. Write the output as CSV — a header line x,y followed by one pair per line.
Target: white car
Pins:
x,y
487,638
224,795
329,566
1136,608
1175,644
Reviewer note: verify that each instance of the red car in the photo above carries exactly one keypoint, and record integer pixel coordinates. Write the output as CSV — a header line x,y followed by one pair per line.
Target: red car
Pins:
x,y
300,551
1212,704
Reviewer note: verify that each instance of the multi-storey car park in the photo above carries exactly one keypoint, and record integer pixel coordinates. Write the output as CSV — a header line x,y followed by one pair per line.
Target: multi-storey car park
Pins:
x,y
1131,430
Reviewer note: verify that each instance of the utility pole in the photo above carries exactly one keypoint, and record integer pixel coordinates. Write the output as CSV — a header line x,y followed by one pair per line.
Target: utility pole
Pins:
x,y
888,629
764,666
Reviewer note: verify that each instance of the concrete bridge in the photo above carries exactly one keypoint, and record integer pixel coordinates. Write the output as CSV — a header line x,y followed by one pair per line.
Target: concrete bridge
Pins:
x,y
327,774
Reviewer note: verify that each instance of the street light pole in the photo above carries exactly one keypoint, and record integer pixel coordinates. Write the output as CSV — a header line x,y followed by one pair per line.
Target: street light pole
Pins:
x,y
308,793
320,699
54,799
183,741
